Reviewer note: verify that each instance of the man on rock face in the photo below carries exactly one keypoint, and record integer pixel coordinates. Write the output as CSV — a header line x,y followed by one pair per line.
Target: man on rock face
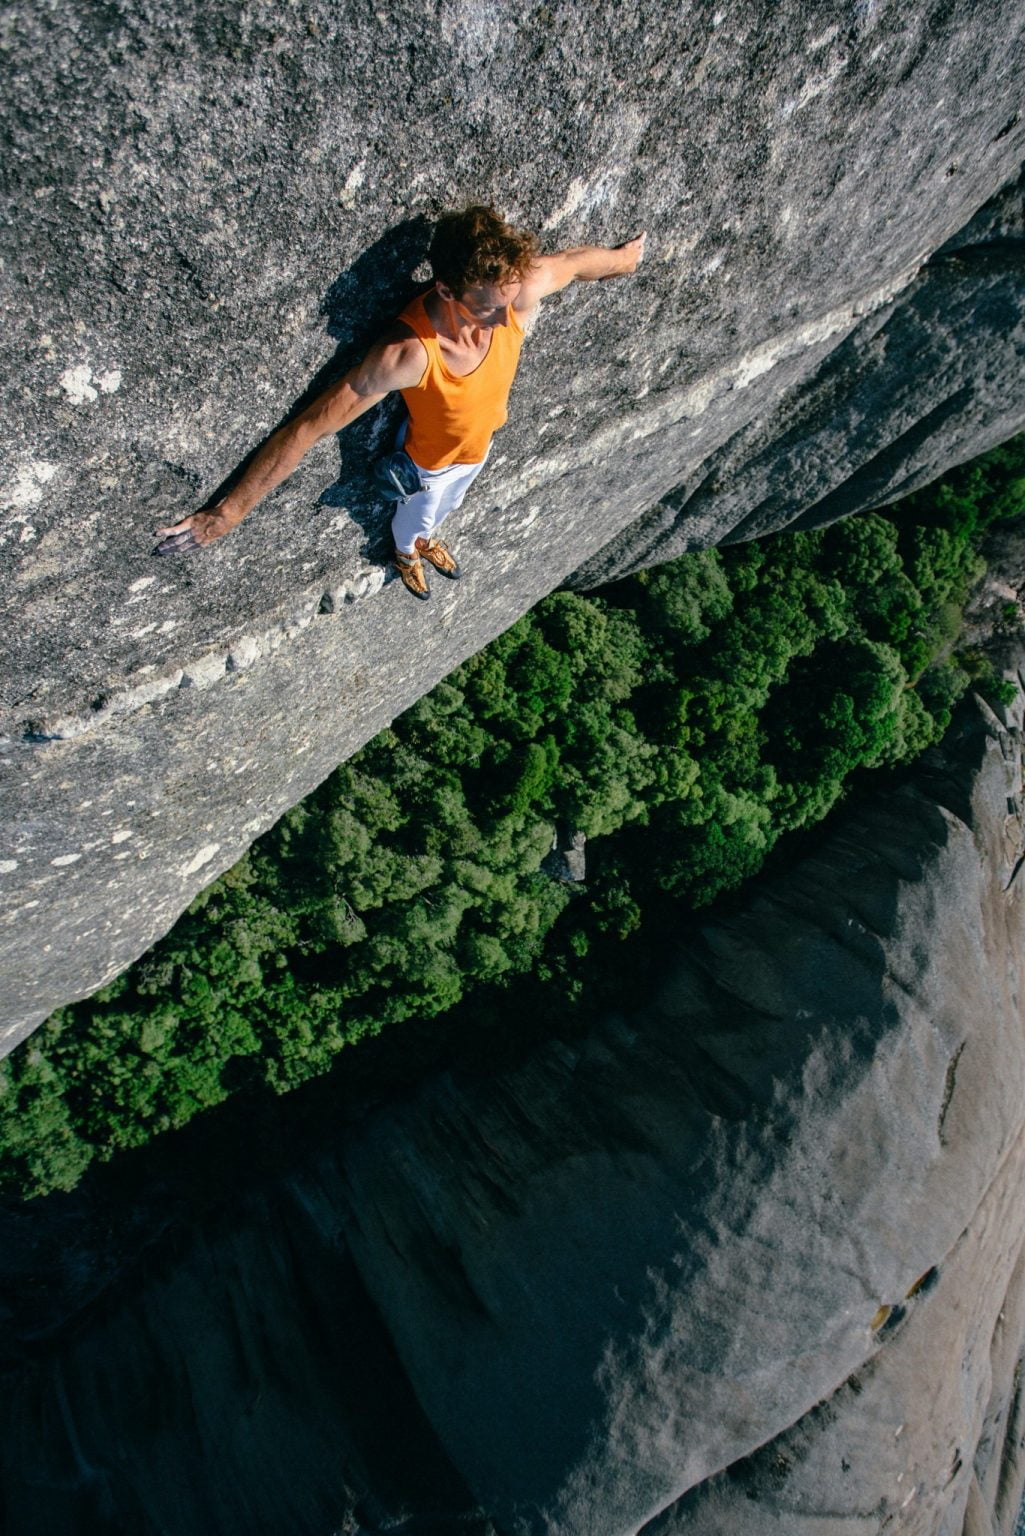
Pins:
x,y
452,354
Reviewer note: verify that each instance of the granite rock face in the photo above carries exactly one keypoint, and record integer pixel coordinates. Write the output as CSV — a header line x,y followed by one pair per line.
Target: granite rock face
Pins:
x,y
215,207
922,383
749,1259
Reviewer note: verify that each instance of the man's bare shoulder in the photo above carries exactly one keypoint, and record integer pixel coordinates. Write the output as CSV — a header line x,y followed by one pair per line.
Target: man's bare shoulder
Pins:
x,y
397,360
542,278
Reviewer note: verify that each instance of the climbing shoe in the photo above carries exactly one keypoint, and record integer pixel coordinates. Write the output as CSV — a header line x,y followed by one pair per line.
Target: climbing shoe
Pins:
x,y
411,573
440,556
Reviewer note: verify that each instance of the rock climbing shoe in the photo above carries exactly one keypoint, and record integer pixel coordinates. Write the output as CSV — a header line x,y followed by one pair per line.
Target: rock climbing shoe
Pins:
x,y
440,556
411,573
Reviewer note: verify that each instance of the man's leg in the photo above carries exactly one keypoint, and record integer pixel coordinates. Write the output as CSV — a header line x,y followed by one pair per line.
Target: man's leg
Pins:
x,y
417,519
417,515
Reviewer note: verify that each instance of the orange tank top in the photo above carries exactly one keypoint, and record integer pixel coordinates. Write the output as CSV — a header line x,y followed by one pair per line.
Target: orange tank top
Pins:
x,y
452,419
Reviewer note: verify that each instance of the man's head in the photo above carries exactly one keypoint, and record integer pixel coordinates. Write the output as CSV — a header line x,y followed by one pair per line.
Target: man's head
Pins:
x,y
475,254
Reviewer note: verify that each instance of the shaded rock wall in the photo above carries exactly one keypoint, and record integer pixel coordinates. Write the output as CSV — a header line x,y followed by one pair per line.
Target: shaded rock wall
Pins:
x,y
747,1260
214,207
825,1103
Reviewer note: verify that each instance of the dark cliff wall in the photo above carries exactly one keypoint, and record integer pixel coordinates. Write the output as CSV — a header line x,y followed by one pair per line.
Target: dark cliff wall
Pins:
x,y
213,205
748,1259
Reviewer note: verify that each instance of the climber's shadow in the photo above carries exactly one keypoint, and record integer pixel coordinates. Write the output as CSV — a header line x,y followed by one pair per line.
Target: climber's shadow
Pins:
x,y
357,307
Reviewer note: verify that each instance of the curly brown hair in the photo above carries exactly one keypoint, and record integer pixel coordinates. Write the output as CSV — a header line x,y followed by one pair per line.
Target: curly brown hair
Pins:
x,y
476,245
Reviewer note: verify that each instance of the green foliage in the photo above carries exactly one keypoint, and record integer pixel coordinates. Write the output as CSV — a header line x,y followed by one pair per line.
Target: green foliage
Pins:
x,y
684,720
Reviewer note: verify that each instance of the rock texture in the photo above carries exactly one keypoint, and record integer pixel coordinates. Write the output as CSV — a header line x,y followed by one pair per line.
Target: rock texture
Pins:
x,y
567,859
921,383
748,1260
214,207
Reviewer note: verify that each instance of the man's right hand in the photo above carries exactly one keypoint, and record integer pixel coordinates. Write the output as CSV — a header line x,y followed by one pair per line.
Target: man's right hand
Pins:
x,y
397,361
632,252
194,532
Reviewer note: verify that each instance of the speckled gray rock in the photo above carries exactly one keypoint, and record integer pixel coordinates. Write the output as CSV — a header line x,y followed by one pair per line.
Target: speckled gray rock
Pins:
x,y
567,859
214,207
922,383
748,1260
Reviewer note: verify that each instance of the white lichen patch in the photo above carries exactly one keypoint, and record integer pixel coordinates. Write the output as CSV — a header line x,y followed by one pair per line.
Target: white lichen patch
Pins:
x,y
8,866
353,182
21,493
122,835
75,382
14,913
139,589
64,859
203,856
81,386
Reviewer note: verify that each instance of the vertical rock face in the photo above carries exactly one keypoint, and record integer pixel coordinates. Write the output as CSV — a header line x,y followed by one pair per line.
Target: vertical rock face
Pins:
x,y
917,385
215,208
749,1259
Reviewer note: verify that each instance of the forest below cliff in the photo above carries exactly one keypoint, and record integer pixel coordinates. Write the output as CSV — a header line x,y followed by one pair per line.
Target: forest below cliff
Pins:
x,y
684,720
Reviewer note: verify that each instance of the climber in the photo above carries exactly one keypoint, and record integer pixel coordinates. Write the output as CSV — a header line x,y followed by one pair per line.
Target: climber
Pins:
x,y
452,354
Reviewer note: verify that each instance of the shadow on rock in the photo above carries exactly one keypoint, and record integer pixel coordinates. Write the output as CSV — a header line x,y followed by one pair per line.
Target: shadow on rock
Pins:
x,y
360,303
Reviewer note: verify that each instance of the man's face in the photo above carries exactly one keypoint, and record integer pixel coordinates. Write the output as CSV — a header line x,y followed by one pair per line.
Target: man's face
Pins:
x,y
484,304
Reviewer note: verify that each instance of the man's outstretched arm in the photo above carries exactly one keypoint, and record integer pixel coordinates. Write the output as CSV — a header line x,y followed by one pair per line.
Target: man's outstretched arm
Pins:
x,y
396,362
581,263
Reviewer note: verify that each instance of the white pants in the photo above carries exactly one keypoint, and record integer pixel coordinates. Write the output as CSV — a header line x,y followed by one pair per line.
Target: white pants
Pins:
x,y
422,513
